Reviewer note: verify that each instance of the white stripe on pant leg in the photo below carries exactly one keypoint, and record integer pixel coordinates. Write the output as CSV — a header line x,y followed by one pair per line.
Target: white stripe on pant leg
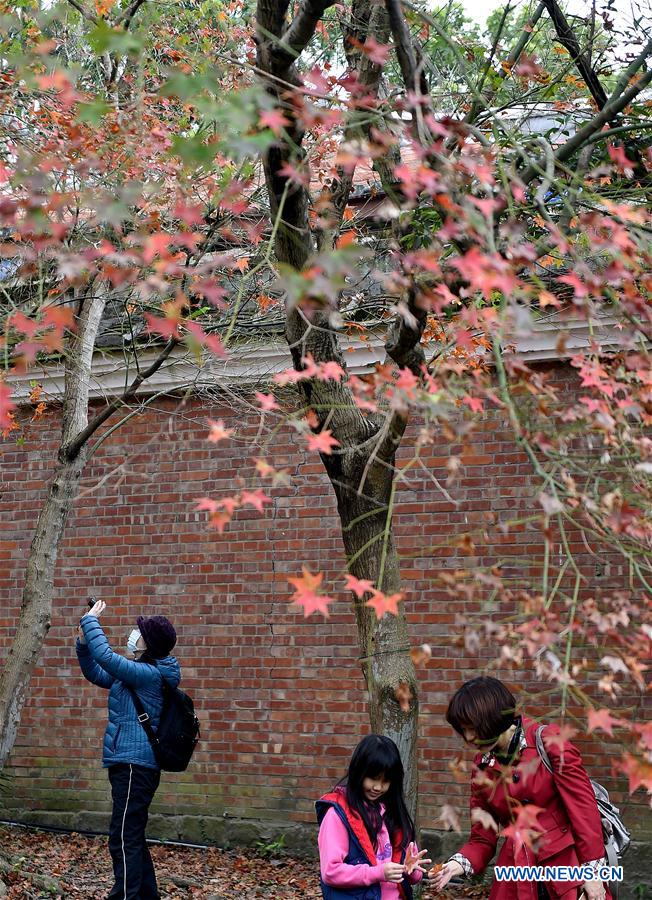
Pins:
x,y
122,836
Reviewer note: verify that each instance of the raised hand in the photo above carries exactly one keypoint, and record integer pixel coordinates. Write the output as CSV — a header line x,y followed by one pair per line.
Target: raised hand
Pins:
x,y
414,859
97,609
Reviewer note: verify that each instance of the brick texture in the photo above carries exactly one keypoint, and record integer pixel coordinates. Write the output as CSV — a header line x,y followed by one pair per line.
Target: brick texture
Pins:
x,y
281,698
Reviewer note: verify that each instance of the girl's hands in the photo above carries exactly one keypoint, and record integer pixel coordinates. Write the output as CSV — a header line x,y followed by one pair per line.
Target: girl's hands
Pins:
x,y
393,872
80,635
449,870
415,859
97,609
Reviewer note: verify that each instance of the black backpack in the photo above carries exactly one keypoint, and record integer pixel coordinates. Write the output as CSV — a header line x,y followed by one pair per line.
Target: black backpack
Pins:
x,y
177,735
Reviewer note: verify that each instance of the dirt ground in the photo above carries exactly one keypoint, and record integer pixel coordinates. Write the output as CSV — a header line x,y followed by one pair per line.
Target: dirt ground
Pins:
x,y
35,865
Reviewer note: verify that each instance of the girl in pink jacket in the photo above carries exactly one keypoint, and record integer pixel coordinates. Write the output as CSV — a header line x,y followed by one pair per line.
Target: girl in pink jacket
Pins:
x,y
366,834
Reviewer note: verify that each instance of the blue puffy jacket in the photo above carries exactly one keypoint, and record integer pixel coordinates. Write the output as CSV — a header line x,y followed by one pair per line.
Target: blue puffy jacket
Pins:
x,y
125,740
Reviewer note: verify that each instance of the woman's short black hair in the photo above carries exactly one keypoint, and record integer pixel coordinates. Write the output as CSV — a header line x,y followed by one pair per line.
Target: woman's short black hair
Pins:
x,y
483,704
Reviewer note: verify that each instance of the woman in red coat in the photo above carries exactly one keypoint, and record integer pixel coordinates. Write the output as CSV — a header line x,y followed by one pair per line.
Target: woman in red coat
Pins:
x,y
512,791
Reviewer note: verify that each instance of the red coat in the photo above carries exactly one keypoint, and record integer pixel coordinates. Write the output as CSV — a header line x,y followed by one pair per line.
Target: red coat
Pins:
x,y
570,821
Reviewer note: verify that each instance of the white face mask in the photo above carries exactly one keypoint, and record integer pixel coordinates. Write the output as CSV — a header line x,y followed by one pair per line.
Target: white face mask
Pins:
x,y
132,642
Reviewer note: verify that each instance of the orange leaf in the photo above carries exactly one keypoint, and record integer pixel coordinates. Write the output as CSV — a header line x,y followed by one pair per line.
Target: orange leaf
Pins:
x,y
421,655
404,696
324,442
346,239
218,432
382,604
306,595
359,586
601,718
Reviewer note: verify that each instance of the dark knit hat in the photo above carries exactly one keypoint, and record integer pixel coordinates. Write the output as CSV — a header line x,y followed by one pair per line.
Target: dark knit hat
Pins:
x,y
158,633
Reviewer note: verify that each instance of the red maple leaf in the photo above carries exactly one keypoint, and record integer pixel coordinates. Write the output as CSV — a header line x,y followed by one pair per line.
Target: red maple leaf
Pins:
x,y
211,291
218,432
257,499
474,403
525,830
20,322
210,341
601,718
324,442
638,771
6,406
155,245
274,120
620,159
167,328
306,595
383,603
206,504
330,371
60,317
376,52
294,175
359,586
579,288
267,402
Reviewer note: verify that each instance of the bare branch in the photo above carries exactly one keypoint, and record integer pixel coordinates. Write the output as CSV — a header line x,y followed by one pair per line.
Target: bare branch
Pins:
x,y
588,132
477,106
300,31
631,70
86,13
127,15
70,450
404,46
567,39
403,343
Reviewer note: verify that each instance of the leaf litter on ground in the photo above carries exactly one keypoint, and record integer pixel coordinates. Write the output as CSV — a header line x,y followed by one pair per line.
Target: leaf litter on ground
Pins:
x,y
80,865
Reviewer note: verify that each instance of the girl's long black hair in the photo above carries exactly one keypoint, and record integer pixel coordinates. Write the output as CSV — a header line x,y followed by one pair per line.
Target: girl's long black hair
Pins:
x,y
378,755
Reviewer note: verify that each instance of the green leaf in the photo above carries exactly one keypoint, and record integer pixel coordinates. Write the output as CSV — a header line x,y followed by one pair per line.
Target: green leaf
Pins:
x,y
193,150
116,40
93,112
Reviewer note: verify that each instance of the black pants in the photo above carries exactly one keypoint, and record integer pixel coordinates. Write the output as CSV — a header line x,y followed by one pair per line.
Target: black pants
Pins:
x,y
132,790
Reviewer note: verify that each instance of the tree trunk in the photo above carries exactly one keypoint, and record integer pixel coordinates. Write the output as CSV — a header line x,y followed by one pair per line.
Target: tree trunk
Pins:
x,y
36,609
365,514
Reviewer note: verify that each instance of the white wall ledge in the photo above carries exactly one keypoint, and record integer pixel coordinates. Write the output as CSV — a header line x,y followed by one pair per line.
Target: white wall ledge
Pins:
x,y
256,365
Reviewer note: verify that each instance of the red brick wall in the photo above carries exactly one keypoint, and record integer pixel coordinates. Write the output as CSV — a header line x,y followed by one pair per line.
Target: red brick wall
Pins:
x,y
281,697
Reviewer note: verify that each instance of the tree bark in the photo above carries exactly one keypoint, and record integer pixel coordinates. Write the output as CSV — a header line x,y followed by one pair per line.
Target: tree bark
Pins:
x,y
362,469
36,609
364,496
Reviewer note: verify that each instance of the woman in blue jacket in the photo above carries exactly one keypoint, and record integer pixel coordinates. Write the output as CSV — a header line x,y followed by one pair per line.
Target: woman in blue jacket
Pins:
x,y
127,754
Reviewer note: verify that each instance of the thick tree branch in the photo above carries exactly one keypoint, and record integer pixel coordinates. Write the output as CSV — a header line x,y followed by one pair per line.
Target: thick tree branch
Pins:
x,y
567,39
300,32
70,450
631,70
367,20
86,13
403,344
586,134
126,16
404,46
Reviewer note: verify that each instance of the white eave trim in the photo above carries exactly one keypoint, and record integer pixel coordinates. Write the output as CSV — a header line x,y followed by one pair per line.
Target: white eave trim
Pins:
x,y
256,365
